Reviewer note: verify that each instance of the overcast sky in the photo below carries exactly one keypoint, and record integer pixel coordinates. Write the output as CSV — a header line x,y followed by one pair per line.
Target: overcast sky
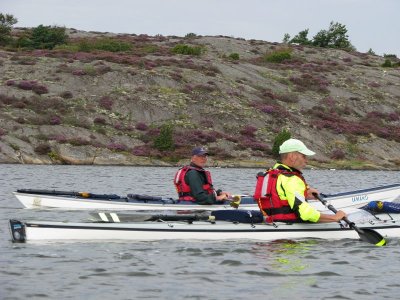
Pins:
x,y
371,23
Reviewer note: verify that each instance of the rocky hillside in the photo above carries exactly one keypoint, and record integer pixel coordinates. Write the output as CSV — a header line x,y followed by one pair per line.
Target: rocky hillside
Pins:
x,y
75,106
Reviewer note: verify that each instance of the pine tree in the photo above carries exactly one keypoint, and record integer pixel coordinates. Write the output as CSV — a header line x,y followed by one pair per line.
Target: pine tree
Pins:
x,y
282,136
6,23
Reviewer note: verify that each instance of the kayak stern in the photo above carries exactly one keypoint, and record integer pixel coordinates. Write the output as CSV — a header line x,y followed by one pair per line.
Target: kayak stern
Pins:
x,y
17,230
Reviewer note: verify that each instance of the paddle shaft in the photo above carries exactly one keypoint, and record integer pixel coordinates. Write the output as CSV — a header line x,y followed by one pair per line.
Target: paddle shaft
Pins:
x,y
331,208
366,234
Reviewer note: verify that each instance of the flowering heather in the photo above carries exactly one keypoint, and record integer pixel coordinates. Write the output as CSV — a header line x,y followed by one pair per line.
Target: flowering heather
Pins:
x,y
393,116
59,138
66,95
11,82
106,102
195,137
141,126
117,147
314,67
140,89
100,70
274,110
26,84
207,123
2,132
40,89
78,141
176,76
268,109
248,130
100,121
119,126
78,72
143,150
374,84
288,98
55,120
310,82
205,88
253,144
337,154
328,102
187,89
268,94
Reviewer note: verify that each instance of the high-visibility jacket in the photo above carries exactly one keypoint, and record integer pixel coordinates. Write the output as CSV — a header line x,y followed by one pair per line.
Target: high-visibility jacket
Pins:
x,y
276,192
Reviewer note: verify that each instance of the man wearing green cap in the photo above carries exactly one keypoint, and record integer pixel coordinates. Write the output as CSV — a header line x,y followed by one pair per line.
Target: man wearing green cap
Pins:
x,y
280,191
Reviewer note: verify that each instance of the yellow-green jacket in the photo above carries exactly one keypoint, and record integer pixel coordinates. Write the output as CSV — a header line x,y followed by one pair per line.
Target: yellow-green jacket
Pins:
x,y
288,186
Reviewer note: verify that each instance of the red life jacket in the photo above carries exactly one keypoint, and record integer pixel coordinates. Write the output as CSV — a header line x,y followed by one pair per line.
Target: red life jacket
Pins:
x,y
183,189
268,199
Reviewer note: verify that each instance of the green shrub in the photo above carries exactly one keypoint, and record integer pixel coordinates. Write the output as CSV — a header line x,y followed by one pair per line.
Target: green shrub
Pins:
x,y
389,55
301,38
54,155
278,56
190,35
104,44
387,63
164,141
47,37
187,50
284,135
234,56
335,37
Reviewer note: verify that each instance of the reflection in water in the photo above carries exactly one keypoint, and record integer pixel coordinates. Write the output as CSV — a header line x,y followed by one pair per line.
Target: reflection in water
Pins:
x,y
284,256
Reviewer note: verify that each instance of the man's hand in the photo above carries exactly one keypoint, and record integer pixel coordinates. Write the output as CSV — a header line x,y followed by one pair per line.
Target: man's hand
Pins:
x,y
310,192
340,215
223,196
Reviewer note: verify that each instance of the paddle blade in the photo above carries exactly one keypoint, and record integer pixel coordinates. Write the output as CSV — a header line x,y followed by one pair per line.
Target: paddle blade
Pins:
x,y
371,236
235,202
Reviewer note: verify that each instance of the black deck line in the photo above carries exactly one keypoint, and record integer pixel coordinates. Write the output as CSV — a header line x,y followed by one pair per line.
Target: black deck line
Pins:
x,y
363,190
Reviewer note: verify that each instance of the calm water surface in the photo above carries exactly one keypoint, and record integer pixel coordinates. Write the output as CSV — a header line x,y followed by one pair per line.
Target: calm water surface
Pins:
x,y
305,269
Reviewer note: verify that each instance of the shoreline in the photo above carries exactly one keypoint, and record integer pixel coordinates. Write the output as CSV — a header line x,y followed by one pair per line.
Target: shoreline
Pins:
x,y
341,166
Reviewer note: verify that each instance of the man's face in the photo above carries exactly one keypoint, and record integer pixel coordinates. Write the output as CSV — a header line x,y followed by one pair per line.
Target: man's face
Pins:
x,y
199,160
298,160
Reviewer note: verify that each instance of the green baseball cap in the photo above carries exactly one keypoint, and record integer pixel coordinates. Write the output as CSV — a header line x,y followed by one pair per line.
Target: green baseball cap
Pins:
x,y
293,145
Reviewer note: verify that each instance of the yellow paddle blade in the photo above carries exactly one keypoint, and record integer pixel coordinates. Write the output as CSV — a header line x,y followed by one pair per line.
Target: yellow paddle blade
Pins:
x,y
381,243
235,202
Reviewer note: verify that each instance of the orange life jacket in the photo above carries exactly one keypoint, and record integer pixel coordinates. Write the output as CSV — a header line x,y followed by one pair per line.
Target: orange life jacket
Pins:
x,y
183,189
268,198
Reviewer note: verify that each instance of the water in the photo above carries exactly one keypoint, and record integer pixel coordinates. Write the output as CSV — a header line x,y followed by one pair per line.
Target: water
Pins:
x,y
312,269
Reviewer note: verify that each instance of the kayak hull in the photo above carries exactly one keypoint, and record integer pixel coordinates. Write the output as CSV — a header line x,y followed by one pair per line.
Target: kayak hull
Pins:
x,y
221,230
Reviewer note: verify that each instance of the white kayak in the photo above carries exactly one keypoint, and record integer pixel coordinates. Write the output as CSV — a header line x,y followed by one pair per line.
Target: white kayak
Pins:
x,y
82,200
21,231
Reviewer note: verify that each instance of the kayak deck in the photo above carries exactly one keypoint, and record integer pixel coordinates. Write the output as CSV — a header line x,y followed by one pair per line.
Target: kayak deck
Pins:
x,y
83,200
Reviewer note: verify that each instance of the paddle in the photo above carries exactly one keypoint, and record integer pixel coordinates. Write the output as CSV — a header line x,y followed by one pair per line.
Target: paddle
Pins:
x,y
235,201
366,234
